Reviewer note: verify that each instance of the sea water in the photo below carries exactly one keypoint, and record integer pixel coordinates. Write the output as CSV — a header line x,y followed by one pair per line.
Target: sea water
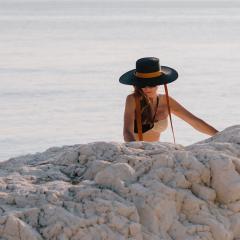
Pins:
x,y
60,62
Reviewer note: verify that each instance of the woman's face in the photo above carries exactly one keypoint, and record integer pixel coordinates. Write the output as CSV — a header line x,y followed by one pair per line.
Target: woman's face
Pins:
x,y
150,91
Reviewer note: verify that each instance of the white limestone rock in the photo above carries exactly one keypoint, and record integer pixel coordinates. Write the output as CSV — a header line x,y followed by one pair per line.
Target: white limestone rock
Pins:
x,y
95,167
16,229
204,192
225,179
115,176
135,190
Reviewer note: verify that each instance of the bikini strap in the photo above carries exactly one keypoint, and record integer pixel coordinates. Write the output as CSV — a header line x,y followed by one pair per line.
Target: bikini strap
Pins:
x,y
139,118
169,111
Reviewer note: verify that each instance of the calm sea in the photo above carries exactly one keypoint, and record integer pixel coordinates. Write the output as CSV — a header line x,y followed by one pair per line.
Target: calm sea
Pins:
x,y
60,62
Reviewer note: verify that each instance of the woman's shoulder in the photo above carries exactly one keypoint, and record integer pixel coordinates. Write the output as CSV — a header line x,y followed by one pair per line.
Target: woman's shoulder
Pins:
x,y
131,95
130,99
163,97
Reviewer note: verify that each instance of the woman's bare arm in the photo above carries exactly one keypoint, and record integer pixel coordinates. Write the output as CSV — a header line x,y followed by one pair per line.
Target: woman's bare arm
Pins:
x,y
128,128
197,123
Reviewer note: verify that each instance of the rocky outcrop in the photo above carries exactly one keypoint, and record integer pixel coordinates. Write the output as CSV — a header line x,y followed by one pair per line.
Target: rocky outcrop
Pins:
x,y
135,190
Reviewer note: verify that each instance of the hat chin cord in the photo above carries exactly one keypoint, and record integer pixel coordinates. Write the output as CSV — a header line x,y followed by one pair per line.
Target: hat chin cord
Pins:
x,y
169,112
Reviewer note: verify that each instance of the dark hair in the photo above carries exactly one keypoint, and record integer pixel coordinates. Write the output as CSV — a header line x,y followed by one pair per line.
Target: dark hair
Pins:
x,y
145,105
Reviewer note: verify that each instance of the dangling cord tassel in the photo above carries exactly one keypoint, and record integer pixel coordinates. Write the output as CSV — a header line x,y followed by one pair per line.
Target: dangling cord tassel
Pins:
x,y
169,111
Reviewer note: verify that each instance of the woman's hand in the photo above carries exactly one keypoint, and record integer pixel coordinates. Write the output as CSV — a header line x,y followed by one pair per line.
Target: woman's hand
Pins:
x,y
197,123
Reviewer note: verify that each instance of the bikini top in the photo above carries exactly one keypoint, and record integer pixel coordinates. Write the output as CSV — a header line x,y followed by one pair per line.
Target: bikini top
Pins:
x,y
158,126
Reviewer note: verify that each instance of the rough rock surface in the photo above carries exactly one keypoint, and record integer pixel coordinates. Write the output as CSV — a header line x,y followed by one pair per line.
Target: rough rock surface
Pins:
x,y
135,190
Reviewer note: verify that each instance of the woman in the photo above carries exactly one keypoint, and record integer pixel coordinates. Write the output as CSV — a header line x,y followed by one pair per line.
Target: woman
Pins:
x,y
146,111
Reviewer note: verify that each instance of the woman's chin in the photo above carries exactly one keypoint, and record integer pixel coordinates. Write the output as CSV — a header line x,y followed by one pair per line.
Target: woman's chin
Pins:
x,y
150,95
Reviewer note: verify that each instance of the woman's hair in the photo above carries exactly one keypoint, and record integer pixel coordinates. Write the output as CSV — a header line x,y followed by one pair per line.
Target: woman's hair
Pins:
x,y
145,105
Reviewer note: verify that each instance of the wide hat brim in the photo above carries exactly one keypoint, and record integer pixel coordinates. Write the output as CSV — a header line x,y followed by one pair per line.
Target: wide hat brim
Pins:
x,y
168,75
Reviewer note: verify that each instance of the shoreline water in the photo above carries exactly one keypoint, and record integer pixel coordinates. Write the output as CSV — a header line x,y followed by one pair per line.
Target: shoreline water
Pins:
x,y
59,74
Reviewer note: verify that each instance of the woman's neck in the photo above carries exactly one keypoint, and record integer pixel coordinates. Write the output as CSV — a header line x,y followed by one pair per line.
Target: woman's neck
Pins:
x,y
153,99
